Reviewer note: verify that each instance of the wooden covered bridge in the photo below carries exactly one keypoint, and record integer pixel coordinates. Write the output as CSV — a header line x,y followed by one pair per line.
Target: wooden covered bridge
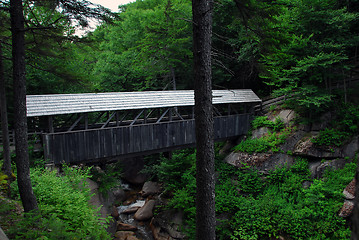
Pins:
x,y
93,127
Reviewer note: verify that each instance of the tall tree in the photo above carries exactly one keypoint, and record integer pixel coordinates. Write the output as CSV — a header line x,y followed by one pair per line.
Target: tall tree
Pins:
x,y
4,120
19,81
205,198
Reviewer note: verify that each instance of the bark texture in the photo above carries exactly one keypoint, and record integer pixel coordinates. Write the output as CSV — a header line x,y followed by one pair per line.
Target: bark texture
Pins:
x,y
19,80
4,121
205,199
355,217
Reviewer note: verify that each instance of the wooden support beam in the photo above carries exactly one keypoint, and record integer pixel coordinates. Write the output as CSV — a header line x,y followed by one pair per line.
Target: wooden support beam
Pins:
x,y
86,121
138,115
98,118
108,120
179,115
50,124
163,114
75,123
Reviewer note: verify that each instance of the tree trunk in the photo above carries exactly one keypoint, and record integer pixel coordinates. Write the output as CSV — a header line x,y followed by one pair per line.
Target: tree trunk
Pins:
x,y
4,121
205,204
355,218
19,80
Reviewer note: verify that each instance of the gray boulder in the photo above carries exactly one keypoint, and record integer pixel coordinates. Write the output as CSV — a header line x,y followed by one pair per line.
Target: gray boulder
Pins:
x,y
145,212
150,188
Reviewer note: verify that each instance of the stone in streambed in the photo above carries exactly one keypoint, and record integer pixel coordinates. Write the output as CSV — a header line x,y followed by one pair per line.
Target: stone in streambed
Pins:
x,y
123,235
125,227
150,188
145,212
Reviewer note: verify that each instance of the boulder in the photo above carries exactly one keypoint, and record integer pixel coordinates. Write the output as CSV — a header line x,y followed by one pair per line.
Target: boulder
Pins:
x,y
150,188
274,161
318,168
349,191
227,147
350,149
167,224
132,170
145,212
119,194
3,235
114,213
286,115
306,148
259,132
132,238
347,209
241,159
133,207
125,227
323,122
123,235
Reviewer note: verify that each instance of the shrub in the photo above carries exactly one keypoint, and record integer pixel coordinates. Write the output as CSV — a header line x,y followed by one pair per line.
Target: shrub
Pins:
x,y
330,137
65,212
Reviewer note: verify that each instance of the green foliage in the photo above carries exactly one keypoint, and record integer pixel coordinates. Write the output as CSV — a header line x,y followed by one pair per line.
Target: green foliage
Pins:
x,y
343,126
65,212
265,207
263,121
170,170
108,178
330,137
271,141
253,145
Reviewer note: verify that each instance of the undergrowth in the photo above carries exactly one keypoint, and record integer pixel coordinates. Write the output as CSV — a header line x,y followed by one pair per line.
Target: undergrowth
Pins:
x,y
256,206
64,209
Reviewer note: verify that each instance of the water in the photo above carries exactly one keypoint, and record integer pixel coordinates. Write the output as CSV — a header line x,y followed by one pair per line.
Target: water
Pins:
x,y
143,230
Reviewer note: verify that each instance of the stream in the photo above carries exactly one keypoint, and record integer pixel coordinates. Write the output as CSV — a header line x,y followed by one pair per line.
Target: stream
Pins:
x,y
143,229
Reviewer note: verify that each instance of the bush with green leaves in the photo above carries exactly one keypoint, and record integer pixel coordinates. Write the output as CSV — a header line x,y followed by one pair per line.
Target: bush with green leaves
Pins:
x,y
263,121
64,208
253,206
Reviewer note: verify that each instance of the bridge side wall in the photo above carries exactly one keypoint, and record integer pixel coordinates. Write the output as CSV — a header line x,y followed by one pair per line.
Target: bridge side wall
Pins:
x,y
82,146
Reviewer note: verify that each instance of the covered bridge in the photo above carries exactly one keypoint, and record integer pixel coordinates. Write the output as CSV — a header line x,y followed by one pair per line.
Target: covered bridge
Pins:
x,y
91,127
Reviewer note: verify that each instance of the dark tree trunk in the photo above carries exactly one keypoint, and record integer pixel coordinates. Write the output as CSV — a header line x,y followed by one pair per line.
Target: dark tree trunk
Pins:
x,y
205,199
19,81
4,121
355,217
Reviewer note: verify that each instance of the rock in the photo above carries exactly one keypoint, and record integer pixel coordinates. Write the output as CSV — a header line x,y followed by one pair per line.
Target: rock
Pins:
x,y
130,210
274,161
133,207
350,149
260,132
286,116
119,194
240,159
150,188
323,122
125,227
306,184
347,209
132,170
349,191
145,212
226,148
2,235
306,148
319,171
167,224
132,238
114,213
123,235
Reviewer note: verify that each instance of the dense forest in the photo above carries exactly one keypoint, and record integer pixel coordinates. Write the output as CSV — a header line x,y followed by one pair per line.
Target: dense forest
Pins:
x,y
307,51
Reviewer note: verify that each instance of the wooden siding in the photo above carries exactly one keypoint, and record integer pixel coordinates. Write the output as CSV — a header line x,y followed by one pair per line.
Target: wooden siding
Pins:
x,y
83,146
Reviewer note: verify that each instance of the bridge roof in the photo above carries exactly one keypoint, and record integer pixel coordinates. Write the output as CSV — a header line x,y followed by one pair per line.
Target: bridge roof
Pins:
x,y
56,104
